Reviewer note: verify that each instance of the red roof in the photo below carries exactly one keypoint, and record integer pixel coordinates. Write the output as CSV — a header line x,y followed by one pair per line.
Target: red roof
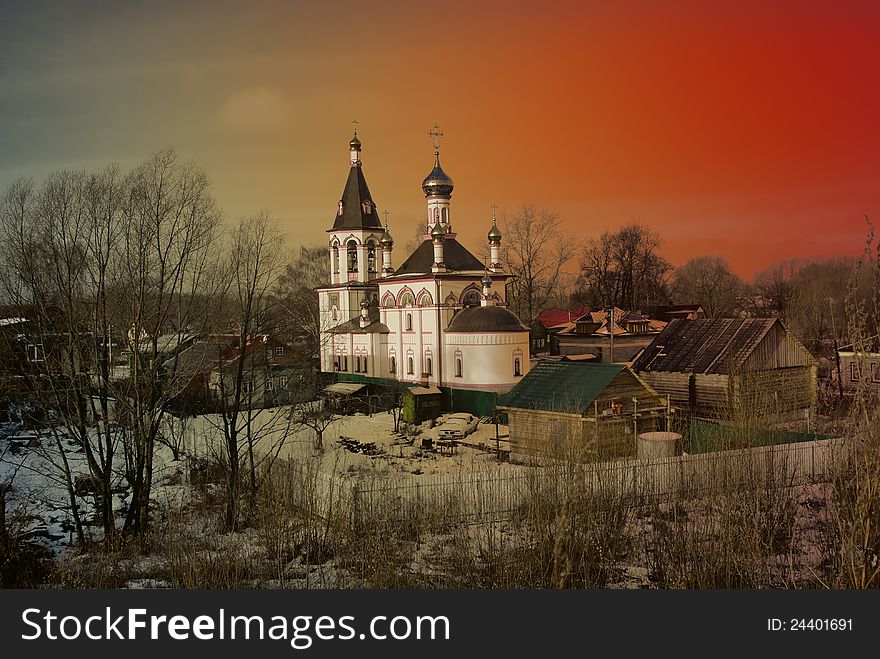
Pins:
x,y
553,317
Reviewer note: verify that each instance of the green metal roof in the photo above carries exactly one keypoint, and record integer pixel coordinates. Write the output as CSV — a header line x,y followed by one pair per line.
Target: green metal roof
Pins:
x,y
561,386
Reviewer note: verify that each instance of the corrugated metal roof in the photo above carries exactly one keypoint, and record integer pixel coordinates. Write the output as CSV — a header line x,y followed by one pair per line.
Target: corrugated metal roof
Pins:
x,y
561,386
711,345
344,388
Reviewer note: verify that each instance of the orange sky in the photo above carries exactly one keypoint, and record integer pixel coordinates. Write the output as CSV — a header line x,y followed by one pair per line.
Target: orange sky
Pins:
x,y
748,131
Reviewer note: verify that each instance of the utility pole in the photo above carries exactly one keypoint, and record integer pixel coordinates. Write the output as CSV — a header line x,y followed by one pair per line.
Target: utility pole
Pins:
x,y
611,333
836,350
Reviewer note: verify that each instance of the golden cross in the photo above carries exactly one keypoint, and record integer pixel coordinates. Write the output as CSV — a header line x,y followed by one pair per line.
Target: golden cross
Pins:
x,y
385,213
354,122
436,134
494,206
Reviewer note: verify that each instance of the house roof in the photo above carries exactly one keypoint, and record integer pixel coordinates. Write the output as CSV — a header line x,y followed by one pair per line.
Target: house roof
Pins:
x,y
455,256
354,195
554,317
709,345
485,319
669,311
353,325
561,386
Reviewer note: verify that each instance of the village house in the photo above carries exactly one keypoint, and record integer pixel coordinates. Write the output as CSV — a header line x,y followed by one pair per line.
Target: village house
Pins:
x,y
550,322
611,335
670,312
731,369
858,369
581,410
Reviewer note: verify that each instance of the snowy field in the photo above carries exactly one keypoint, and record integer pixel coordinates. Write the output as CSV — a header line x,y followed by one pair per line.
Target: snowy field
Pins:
x,y
354,446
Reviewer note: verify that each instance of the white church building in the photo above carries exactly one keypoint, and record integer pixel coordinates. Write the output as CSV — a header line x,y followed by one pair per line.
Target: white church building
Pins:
x,y
439,319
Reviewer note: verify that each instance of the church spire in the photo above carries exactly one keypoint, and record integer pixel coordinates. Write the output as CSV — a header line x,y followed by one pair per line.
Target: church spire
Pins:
x,y
356,208
437,187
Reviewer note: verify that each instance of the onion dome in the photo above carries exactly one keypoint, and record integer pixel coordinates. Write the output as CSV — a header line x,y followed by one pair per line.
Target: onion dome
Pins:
x,y
438,182
355,144
386,240
486,280
494,234
437,232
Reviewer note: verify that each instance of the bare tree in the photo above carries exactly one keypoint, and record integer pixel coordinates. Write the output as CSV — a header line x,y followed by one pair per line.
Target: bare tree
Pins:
x,y
708,281
536,251
316,416
624,269
255,262
294,301
170,227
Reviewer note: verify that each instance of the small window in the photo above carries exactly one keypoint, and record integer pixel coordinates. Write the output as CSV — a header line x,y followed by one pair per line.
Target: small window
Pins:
x,y
409,366
875,372
393,366
428,366
345,363
364,364
334,314
246,387
458,370
35,352
270,384
409,322
517,371
853,372
282,381
357,364
336,363
279,350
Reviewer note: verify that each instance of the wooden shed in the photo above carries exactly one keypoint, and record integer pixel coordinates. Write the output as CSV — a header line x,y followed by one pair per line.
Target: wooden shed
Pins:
x,y
581,410
731,368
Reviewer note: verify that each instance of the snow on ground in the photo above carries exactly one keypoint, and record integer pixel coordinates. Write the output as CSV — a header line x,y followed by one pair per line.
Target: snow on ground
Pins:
x,y
40,498
393,454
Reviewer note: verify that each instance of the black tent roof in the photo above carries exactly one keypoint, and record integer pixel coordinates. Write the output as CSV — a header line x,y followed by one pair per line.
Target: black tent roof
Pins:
x,y
354,215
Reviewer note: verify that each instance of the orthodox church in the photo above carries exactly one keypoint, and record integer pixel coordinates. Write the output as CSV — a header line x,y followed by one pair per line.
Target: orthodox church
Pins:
x,y
437,320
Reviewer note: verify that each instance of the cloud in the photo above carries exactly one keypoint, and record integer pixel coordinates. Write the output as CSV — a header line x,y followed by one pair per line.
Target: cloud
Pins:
x,y
252,110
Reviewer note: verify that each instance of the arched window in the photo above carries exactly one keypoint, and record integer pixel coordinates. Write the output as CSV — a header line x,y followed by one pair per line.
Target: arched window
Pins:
x,y
389,301
409,322
345,363
357,364
425,300
407,300
445,215
471,298
409,365
341,208
458,369
334,257
352,256
364,365
428,369
371,256
393,365
334,313
517,371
